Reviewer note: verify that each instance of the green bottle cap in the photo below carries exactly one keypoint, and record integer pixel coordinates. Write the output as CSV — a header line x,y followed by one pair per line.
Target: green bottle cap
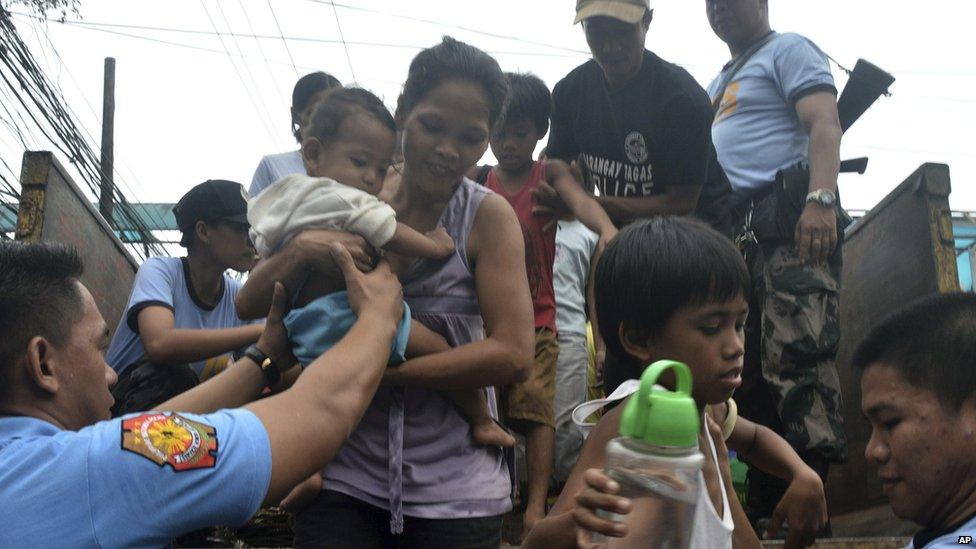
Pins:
x,y
657,416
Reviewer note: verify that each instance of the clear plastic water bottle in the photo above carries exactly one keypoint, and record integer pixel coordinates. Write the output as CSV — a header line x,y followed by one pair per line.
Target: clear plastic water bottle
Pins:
x,y
656,461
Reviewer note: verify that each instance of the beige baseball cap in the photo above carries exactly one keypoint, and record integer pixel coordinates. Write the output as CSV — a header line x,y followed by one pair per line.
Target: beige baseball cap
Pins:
x,y
628,11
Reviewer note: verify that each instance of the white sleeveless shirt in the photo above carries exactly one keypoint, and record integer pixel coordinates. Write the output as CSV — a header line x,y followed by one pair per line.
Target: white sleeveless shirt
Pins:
x,y
708,531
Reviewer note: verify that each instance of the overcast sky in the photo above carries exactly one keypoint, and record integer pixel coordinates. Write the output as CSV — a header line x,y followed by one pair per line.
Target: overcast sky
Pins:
x,y
185,114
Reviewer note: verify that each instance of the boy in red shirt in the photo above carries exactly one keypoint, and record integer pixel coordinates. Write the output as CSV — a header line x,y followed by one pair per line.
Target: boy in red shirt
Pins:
x,y
529,406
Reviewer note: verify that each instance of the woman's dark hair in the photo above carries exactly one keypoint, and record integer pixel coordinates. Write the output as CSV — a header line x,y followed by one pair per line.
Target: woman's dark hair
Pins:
x,y
653,268
38,297
305,88
454,59
931,343
337,105
528,99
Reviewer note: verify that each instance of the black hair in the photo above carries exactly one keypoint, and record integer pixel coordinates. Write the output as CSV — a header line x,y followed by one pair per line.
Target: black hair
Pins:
x,y
454,59
653,268
338,104
931,343
305,88
38,297
528,99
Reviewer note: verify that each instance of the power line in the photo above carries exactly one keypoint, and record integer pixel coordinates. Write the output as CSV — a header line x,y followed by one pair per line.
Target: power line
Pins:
x,y
247,68
263,56
247,90
343,38
282,35
33,85
95,26
121,180
448,25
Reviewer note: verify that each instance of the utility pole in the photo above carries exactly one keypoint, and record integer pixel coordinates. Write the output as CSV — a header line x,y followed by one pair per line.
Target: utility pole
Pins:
x,y
108,143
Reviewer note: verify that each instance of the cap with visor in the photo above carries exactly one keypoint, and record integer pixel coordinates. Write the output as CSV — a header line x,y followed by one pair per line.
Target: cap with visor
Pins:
x,y
628,11
212,200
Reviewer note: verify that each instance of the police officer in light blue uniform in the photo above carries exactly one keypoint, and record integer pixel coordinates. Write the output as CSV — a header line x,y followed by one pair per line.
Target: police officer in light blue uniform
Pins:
x,y
69,477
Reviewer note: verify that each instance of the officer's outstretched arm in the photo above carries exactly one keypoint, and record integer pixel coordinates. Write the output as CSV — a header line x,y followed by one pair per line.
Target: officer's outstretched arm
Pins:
x,y
308,423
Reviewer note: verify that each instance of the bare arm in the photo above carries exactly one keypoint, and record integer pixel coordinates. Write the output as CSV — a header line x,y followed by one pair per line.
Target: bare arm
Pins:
x,y
409,242
243,381
424,341
331,395
583,206
166,344
804,505
496,249
675,200
560,528
816,232
305,255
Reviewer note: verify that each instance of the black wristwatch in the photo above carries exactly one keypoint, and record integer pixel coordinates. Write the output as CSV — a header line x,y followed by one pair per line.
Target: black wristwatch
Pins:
x,y
270,370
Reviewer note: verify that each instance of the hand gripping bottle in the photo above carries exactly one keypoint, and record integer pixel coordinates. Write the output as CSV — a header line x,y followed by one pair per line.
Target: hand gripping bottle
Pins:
x,y
656,461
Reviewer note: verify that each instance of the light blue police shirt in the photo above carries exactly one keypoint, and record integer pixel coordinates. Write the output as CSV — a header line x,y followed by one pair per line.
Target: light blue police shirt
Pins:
x,y
272,168
85,489
163,281
964,535
756,131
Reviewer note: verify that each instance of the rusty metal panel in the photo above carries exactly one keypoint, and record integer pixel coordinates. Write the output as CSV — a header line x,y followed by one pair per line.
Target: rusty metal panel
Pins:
x,y
901,250
53,209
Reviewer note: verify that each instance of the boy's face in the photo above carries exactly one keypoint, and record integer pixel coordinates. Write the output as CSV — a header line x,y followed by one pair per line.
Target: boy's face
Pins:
x,y
358,155
925,454
514,144
710,339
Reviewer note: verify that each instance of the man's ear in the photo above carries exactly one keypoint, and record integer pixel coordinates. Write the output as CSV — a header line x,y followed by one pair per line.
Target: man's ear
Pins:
x,y
635,342
41,365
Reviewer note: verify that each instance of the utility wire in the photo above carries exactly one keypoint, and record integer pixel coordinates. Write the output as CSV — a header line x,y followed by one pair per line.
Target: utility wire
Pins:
x,y
119,178
447,25
96,26
345,46
257,87
262,114
264,58
32,85
283,41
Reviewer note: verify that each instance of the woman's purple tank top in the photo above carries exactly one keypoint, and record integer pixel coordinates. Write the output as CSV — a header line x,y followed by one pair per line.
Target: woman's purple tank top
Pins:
x,y
412,447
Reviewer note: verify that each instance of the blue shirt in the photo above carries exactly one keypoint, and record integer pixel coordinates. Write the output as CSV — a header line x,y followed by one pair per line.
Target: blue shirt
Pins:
x,y
965,534
87,488
163,281
756,130
273,167
575,245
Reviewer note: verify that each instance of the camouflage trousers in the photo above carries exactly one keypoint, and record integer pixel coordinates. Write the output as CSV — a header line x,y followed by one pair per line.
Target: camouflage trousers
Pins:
x,y
790,383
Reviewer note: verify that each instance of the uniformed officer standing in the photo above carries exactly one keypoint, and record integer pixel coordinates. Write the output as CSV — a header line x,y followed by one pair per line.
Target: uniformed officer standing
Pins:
x,y
69,477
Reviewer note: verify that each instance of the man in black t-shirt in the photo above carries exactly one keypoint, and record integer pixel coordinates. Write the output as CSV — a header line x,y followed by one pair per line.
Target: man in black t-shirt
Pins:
x,y
639,127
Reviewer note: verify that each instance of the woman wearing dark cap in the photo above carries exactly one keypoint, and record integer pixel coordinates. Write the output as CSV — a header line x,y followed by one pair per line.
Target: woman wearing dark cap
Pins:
x,y
308,90
180,326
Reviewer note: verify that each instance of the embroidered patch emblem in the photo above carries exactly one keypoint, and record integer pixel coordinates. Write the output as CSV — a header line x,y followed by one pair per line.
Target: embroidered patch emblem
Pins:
x,y
636,148
165,438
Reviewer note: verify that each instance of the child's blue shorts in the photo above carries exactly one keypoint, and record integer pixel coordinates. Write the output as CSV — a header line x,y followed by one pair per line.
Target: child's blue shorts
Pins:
x,y
316,327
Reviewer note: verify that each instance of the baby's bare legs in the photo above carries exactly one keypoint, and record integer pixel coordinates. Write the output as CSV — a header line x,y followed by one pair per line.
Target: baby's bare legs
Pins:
x,y
484,429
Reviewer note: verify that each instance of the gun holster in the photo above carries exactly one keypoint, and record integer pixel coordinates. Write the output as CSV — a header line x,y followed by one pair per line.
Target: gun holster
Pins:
x,y
776,210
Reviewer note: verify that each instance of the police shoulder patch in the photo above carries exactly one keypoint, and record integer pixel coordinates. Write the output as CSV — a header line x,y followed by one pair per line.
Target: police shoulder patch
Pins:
x,y
171,439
